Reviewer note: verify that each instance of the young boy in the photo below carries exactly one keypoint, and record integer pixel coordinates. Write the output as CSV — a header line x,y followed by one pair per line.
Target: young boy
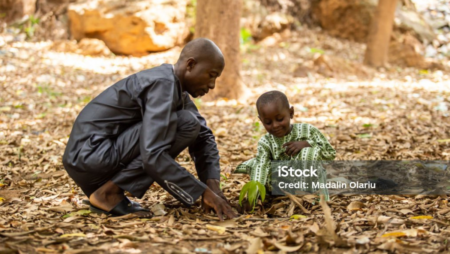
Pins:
x,y
284,141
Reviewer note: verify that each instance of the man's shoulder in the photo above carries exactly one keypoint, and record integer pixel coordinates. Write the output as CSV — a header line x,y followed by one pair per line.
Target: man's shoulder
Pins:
x,y
149,76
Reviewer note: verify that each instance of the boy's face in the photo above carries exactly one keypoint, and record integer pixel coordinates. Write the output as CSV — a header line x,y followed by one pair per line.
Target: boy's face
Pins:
x,y
276,118
201,76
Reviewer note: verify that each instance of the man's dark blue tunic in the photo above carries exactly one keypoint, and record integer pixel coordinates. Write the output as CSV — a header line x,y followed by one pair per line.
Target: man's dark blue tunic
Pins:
x,y
131,133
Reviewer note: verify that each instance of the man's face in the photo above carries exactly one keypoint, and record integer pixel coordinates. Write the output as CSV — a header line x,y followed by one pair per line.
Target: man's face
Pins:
x,y
276,118
201,76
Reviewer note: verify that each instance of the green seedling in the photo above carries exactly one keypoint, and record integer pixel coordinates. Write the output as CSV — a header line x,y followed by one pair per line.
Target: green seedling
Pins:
x,y
224,178
314,50
368,125
256,127
252,190
364,135
46,89
246,36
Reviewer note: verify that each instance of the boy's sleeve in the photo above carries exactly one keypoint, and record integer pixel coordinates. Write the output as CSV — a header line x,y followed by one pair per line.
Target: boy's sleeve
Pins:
x,y
261,163
320,148
246,167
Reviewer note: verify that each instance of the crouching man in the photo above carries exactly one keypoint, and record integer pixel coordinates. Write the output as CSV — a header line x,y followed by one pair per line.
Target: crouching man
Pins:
x,y
128,137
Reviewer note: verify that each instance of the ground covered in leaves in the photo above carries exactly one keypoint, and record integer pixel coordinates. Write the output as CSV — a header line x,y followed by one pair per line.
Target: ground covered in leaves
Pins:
x,y
368,114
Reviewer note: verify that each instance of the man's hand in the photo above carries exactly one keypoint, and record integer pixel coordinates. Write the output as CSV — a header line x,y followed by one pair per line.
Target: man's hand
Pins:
x,y
220,205
294,147
214,185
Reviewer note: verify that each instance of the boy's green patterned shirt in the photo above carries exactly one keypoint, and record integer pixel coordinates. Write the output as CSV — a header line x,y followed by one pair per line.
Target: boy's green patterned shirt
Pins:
x,y
270,148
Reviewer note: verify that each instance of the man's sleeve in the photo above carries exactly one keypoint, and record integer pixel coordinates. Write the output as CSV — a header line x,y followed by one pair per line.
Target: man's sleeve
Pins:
x,y
204,150
158,132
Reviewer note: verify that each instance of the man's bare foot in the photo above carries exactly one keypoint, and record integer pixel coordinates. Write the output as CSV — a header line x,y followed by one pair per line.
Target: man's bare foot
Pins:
x,y
108,196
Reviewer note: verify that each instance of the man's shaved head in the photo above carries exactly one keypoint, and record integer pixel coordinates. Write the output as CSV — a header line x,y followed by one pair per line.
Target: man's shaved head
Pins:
x,y
201,49
200,63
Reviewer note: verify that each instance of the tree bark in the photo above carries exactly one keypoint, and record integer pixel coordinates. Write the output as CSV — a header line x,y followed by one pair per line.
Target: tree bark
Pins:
x,y
13,10
380,34
218,20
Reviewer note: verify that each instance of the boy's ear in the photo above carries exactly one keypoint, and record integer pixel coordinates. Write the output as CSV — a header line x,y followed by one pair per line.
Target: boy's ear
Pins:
x,y
291,111
190,63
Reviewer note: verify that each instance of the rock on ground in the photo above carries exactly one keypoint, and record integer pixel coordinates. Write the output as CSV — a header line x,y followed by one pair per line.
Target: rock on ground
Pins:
x,y
134,28
350,19
271,24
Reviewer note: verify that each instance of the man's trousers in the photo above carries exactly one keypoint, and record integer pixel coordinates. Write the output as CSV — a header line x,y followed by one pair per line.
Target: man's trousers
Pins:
x,y
119,159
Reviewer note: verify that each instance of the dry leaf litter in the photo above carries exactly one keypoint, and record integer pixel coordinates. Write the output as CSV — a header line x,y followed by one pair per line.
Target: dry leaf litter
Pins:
x,y
390,114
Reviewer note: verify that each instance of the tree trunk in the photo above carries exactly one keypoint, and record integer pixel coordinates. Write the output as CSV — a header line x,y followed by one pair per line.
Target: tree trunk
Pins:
x,y
380,34
218,20
13,10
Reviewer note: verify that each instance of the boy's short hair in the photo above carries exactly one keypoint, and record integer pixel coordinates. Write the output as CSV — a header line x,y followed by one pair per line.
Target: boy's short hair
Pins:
x,y
270,97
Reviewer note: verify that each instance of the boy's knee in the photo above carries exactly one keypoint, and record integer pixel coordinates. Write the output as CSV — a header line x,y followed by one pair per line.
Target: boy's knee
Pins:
x,y
188,122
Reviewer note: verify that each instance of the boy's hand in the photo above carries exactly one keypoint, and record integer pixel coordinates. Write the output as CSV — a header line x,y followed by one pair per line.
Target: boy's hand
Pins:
x,y
211,200
294,147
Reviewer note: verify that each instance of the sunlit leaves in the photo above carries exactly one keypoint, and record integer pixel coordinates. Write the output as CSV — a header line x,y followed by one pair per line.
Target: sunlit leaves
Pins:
x,y
246,36
79,213
298,217
368,125
364,135
73,235
218,229
422,217
316,50
257,126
